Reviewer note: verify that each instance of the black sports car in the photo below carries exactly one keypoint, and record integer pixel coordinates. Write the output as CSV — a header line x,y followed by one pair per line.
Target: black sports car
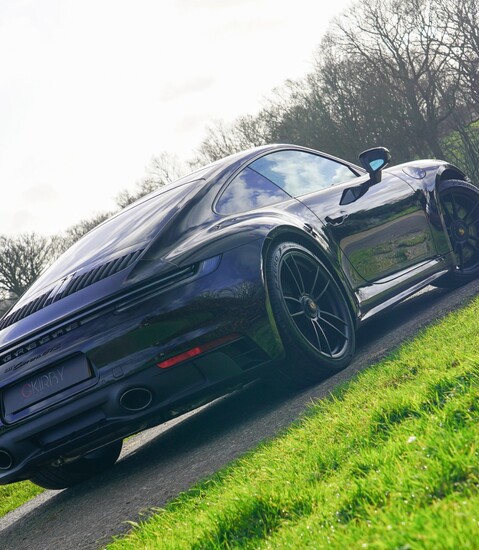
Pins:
x,y
268,258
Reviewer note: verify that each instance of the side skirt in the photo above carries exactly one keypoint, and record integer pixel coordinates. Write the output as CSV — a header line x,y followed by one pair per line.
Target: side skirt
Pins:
x,y
380,295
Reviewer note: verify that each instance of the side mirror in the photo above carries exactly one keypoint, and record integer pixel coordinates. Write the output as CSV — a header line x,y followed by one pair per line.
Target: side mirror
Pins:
x,y
374,160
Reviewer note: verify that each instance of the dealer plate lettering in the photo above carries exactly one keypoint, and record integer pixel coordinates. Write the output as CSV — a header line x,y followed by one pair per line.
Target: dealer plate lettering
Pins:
x,y
45,384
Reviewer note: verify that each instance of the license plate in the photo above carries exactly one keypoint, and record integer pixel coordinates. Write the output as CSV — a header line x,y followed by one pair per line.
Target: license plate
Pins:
x,y
45,384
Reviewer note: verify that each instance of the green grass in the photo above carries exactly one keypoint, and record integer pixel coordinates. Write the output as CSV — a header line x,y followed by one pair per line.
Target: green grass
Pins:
x,y
13,496
391,460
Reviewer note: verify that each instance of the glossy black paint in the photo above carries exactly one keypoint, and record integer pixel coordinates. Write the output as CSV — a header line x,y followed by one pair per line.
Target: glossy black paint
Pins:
x,y
173,273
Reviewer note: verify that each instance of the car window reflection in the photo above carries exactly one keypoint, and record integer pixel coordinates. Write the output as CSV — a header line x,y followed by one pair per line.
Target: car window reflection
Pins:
x,y
247,191
299,173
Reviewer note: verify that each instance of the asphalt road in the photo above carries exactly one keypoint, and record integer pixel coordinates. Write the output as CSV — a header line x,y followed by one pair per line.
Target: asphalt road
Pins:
x,y
157,465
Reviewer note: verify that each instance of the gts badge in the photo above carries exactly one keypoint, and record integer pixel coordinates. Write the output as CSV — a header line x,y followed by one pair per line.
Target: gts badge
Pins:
x,y
45,339
31,360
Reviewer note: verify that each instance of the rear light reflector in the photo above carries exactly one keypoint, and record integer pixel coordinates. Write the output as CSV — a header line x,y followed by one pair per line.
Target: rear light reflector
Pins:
x,y
198,350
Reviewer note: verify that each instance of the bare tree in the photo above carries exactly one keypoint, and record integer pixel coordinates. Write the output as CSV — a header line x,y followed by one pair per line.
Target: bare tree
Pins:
x,y
297,114
23,258
361,106
225,139
461,21
162,169
407,47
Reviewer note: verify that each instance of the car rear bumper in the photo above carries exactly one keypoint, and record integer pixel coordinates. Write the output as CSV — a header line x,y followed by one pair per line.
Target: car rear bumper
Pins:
x,y
125,406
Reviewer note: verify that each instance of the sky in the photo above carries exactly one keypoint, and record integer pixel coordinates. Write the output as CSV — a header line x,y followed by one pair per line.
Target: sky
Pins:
x,y
90,90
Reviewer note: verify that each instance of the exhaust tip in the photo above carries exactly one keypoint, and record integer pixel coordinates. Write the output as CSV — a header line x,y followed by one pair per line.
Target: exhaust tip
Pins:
x,y
136,399
6,460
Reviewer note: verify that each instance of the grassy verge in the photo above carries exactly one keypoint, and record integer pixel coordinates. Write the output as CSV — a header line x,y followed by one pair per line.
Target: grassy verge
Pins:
x,y
391,460
13,496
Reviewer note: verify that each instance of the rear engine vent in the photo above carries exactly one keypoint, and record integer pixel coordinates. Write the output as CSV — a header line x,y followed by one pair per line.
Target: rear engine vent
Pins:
x,y
75,284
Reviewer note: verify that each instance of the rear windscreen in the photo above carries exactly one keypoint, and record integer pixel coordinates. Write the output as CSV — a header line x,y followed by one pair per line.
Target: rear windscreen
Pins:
x,y
134,226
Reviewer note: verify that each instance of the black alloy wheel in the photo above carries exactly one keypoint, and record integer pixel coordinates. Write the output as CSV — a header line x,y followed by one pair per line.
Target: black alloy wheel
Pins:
x,y
460,203
311,313
69,473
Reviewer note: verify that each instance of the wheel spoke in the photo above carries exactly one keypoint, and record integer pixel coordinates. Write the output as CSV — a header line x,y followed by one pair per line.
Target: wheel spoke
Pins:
x,y
291,298
315,281
471,211
317,343
295,274
322,319
298,271
447,213
454,206
474,222
317,326
322,292
332,316
474,247
290,302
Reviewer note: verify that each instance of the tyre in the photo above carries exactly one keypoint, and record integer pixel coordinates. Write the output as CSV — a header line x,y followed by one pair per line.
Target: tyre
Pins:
x,y
460,204
72,473
311,314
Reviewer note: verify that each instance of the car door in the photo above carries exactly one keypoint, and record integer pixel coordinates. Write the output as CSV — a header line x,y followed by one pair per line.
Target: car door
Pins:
x,y
380,229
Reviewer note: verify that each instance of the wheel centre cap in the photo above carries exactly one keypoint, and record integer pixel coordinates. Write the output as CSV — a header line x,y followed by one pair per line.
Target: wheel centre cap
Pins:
x,y
310,306
461,232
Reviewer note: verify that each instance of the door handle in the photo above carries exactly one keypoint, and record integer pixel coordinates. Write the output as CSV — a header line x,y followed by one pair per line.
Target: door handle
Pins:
x,y
338,218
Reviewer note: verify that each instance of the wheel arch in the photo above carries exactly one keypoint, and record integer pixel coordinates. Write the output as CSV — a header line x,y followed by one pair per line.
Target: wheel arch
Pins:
x,y
449,172
294,234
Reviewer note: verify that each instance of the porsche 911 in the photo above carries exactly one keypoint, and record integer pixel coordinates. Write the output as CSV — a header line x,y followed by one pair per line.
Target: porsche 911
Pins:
x,y
264,263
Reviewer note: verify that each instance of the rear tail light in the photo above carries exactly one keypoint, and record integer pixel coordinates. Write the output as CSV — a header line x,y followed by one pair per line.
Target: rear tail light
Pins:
x,y
198,350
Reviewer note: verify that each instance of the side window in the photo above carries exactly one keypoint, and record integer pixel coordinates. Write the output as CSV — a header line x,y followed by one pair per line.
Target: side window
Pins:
x,y
247,191
299,173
